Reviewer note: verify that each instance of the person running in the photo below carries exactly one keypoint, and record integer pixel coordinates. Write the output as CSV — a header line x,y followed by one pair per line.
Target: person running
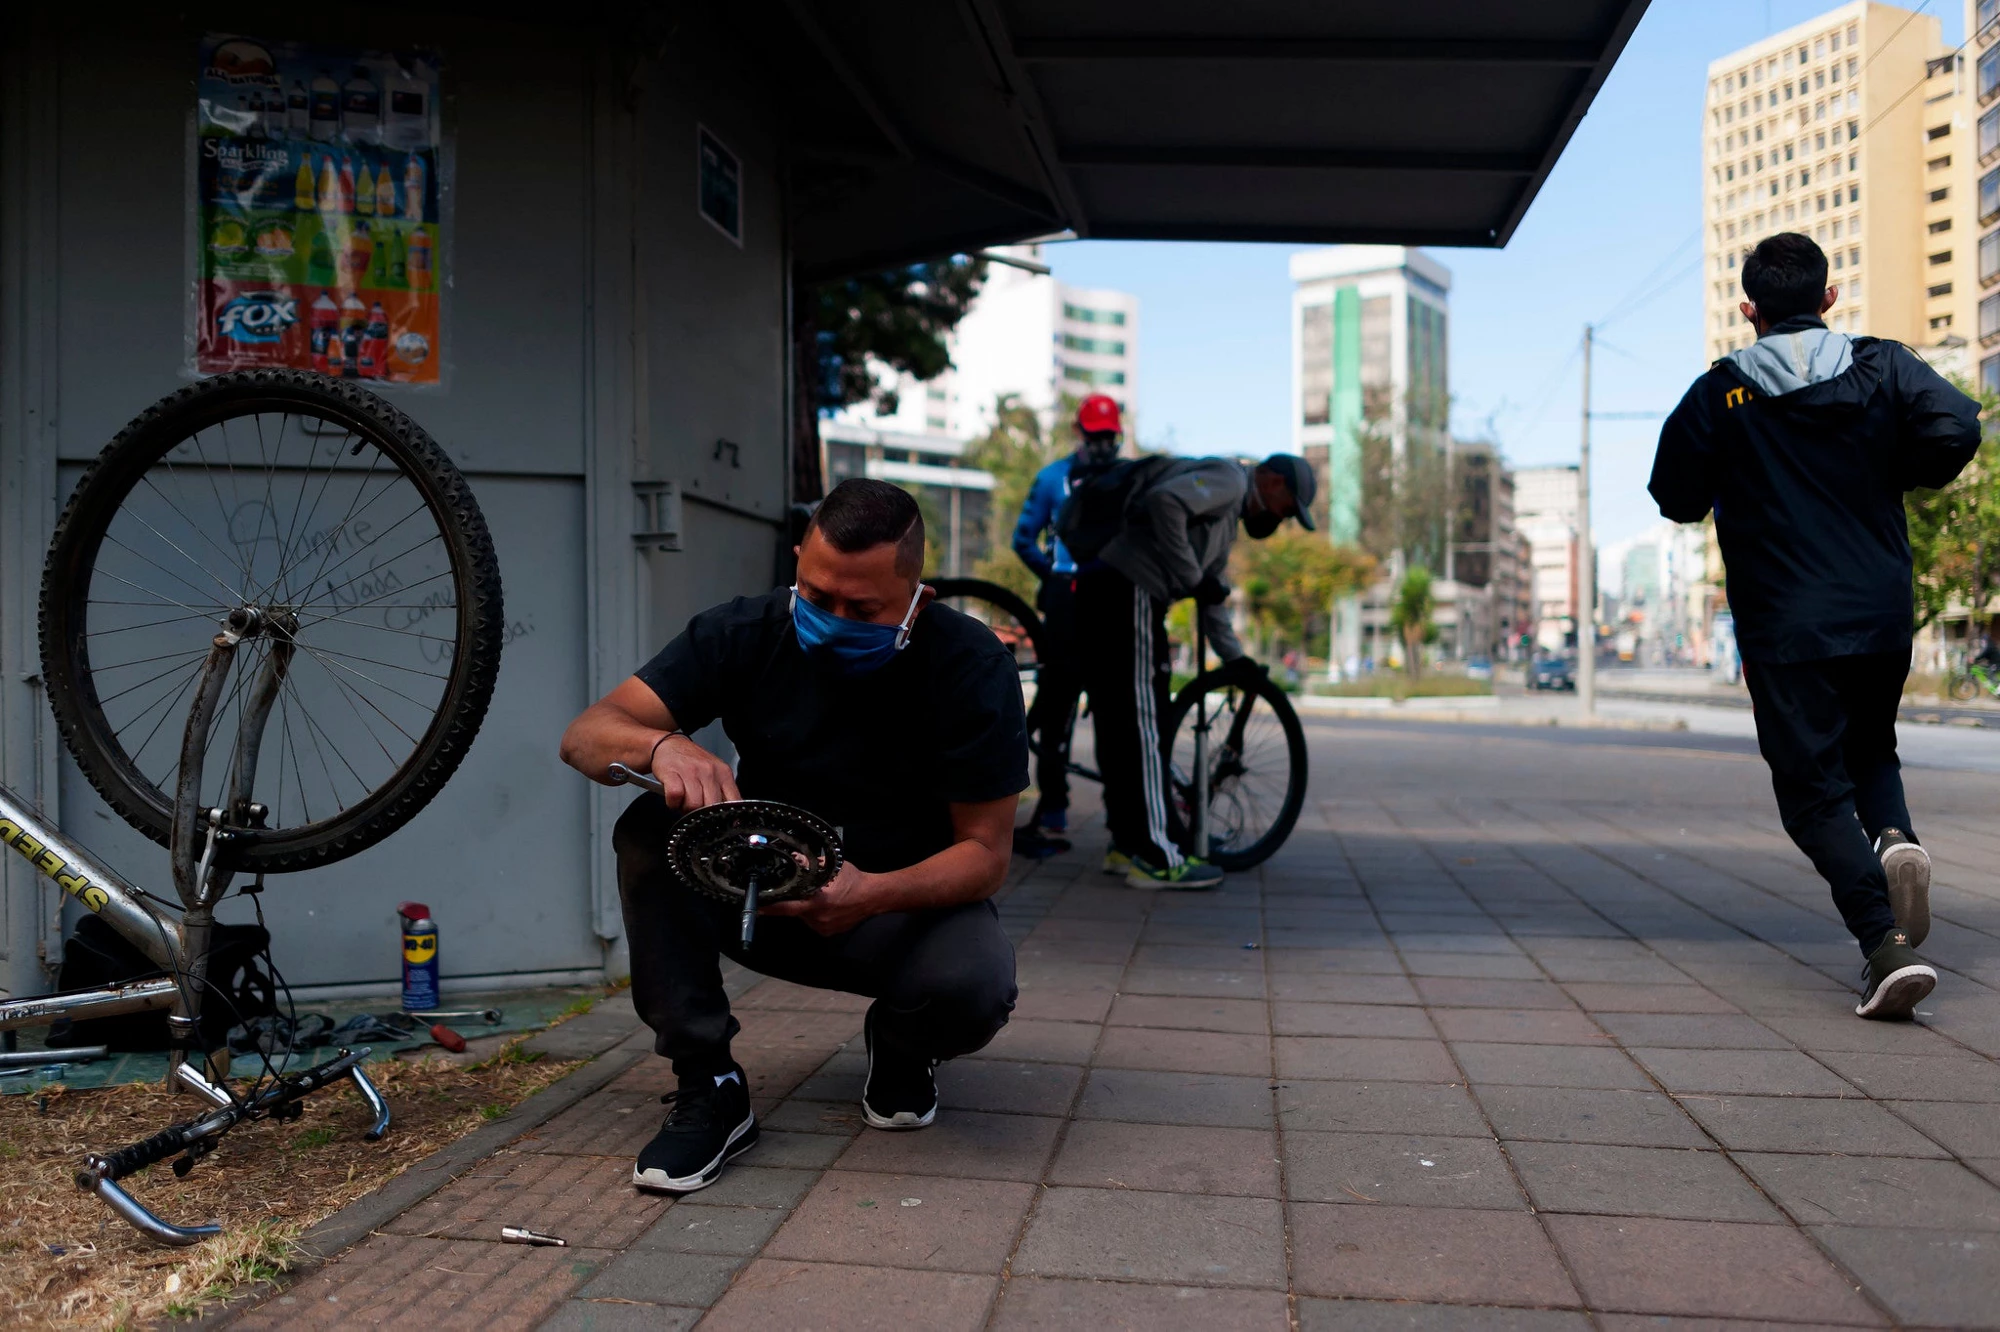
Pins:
x,y
1060,680
1802,445
1179,524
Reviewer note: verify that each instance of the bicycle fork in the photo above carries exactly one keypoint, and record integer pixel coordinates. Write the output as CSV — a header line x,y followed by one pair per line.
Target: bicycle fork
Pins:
x,y
201,879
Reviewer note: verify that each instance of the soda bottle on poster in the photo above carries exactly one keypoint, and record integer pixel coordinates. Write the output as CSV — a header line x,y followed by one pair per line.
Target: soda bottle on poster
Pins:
x,y
298,112
302,185
398,265
413,188
329,187
319,257
361,108
353,325
324,112
325,334
375,343
364,192
385,193
419,261
346,186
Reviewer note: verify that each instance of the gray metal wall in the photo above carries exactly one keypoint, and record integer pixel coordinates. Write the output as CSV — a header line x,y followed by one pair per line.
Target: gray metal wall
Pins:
x,y
598,331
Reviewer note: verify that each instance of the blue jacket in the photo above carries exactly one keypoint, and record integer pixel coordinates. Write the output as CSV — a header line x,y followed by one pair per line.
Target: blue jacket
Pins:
x,y
1038,518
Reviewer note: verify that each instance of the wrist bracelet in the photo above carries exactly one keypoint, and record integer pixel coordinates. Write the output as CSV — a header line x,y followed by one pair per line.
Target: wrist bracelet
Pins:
x,y
652,753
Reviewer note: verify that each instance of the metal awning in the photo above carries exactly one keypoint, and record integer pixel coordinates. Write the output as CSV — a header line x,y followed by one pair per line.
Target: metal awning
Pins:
x,y
920,127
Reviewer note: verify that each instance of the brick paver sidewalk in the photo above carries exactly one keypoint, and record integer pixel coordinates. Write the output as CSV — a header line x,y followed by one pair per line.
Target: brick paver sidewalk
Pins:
x,y
1520,1031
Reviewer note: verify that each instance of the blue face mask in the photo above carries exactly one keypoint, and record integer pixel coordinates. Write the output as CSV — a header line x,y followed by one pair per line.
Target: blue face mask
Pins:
x,y
856,647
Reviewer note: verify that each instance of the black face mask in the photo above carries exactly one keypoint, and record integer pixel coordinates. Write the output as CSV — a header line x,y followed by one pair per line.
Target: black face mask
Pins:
x,y
1261,525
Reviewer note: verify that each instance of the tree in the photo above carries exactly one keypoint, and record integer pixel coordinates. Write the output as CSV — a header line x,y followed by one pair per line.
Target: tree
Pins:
x,y
1410,616
1289,582
847,332
1955,537
1013,451
1404,494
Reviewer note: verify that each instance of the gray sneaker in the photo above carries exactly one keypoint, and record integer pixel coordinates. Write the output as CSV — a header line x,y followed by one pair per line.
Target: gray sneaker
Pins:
x,y
1909,869
1895,980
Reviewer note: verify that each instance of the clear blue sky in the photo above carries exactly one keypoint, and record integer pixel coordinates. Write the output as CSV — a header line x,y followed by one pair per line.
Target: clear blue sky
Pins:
x,y
1215,346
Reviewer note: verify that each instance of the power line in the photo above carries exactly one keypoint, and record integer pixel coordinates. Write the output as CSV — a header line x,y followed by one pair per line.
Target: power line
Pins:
x,y
1620,309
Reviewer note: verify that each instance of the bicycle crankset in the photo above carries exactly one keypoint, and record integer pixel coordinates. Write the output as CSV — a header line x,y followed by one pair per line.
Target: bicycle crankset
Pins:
x,y
754,851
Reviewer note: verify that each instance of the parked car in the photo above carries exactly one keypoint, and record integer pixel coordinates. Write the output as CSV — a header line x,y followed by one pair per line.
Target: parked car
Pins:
x,y
1479,668
1551,673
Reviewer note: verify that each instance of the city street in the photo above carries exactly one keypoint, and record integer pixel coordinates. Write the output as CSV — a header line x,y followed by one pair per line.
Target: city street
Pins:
x,y
1526,1028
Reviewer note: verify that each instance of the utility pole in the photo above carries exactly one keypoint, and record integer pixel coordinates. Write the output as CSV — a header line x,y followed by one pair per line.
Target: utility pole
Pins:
x,y
1586,558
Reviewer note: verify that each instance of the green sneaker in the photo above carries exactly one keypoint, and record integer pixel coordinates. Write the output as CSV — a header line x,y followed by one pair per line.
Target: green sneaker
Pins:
x,y
1117,863
1895,980
1191,875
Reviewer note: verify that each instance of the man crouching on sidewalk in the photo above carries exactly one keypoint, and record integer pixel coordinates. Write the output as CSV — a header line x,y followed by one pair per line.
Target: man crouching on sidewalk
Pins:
x,y
1803,443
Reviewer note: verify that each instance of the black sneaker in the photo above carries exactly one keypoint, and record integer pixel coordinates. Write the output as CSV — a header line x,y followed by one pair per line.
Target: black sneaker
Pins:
x,y
708,1125
1909,869
901,1092
1895,980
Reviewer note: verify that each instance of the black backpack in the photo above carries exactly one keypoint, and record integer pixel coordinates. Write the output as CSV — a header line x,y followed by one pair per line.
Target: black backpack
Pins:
x,y
1102,502
238,986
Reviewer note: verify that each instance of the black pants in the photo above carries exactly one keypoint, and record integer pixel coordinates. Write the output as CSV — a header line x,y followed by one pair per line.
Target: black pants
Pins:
x,y
942,981
1828,730
1122,638
1057,687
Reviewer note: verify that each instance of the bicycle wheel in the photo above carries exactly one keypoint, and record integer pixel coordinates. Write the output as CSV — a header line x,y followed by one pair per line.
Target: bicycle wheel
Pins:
x,y
360,548
1256,766
1962,688
1012,620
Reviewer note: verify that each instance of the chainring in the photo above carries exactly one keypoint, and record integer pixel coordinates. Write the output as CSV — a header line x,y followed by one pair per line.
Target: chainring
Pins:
x,y
791,852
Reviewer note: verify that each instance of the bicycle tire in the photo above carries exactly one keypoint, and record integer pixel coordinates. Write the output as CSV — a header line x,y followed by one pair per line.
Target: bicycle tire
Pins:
x,y
1263,689
1962,688
478,620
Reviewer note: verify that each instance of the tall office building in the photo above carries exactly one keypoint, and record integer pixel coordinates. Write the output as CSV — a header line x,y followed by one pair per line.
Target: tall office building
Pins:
x,y
1548,510
1980,210
1841,127
1028,336
1369,361
1369,352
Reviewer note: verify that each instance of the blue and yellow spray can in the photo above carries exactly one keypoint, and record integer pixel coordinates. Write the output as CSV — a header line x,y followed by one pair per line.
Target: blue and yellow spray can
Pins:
x,y
420,958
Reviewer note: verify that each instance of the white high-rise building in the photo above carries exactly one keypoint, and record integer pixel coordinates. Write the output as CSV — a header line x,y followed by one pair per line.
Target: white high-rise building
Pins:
x,y
1027,336
1030,337
1548,511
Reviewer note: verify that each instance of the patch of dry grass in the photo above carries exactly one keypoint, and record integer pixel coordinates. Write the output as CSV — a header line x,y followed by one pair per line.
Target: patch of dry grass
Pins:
x,y
66,1261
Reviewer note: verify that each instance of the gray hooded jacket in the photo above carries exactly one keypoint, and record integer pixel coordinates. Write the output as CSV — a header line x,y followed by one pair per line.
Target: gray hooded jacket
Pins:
x,y
1781,363
1185,525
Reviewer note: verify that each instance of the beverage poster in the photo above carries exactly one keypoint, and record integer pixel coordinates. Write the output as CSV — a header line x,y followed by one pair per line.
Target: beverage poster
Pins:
x,y
318,244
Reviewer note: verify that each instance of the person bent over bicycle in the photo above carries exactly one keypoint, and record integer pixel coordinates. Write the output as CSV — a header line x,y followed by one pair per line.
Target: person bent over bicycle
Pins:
x,y
899,722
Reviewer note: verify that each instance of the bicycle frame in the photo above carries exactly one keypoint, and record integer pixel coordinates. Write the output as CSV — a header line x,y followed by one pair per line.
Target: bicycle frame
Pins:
x,y
180,947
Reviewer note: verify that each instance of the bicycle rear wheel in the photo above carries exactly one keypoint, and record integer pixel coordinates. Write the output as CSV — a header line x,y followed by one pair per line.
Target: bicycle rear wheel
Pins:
x,y
1256,766
1962,688
360,548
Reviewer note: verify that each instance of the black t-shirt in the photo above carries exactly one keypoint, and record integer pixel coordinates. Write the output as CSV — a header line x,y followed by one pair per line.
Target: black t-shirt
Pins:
x,y
880,756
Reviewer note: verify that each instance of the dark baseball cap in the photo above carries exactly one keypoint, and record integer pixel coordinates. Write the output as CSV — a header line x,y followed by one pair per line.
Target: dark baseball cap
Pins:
x,y
1298,477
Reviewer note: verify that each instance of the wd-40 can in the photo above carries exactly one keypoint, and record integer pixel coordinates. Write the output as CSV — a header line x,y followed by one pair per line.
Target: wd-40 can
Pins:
x,y
420,958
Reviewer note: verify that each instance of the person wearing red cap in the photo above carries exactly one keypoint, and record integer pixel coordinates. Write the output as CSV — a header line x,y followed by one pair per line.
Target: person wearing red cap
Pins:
x,y
1061,679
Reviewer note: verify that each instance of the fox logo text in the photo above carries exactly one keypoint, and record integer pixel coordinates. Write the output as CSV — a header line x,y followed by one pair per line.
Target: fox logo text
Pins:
x,y
257,316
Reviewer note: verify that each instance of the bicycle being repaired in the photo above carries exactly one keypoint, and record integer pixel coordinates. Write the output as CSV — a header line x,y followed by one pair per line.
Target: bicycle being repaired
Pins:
x,y
1196,783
